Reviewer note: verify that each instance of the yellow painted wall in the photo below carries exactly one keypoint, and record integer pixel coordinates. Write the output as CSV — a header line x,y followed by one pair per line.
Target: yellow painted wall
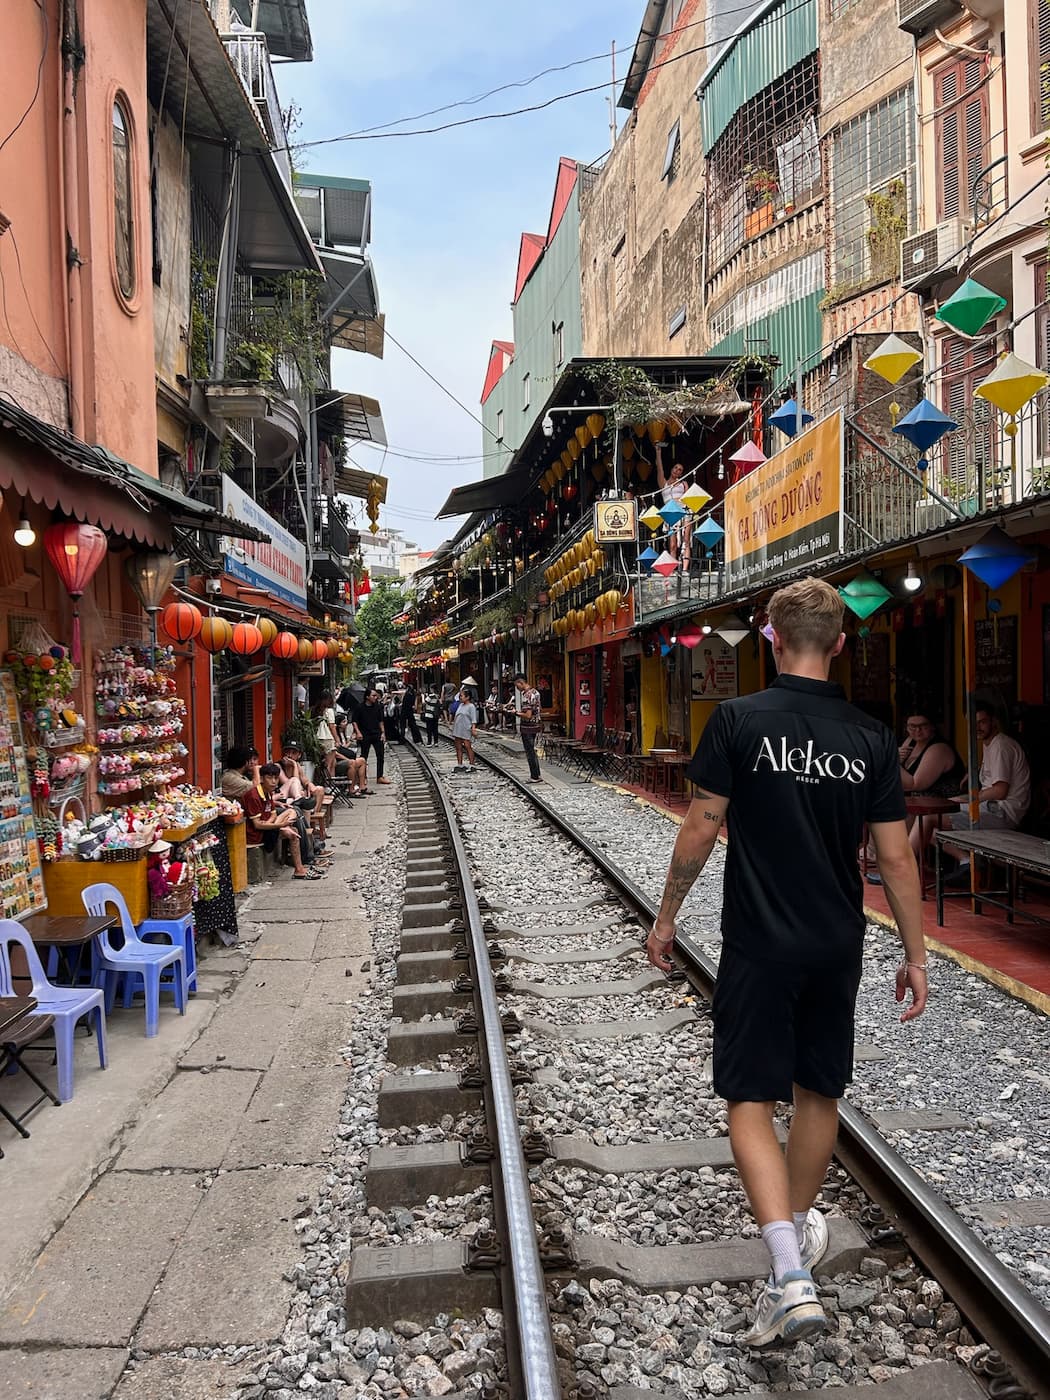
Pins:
x,y
653,700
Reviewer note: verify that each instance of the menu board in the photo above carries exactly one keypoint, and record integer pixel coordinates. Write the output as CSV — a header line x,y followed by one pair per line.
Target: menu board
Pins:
x,y
996,659
21,878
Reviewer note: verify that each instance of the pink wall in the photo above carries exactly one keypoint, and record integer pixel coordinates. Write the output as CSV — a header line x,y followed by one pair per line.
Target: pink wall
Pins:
x,y
115,397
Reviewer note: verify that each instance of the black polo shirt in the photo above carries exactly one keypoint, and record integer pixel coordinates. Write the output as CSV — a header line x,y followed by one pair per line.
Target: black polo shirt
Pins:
x,y
804,770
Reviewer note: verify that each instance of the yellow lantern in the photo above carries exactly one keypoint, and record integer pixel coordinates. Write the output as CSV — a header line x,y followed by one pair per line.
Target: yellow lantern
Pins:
x,y
583,435
674,427
590,613
566,459
574,449
627,448
644,470
656,429
695,498
596,423
617,600
601,558
589,541
268,628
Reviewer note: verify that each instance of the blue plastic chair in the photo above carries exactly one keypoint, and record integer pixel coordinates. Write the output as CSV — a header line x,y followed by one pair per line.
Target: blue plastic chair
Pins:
x,y
180,933
66,1004
135,959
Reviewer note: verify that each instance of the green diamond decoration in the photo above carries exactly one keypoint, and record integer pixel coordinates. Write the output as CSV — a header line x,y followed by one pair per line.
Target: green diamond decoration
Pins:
x,y
971,307
864,595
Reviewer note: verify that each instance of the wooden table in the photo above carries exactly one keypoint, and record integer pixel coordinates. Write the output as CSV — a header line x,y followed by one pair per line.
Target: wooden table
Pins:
x,y
921,806
12,1009
67,934
1013,849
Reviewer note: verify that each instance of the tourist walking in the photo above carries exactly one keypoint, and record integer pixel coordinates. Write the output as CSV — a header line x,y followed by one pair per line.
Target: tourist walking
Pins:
x,y
431,715
371,732
464,727
530,723
797,771
448,691
408,713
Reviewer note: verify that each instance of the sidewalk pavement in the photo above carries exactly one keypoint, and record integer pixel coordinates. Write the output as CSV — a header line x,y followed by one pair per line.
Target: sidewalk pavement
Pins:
x,y
160,1204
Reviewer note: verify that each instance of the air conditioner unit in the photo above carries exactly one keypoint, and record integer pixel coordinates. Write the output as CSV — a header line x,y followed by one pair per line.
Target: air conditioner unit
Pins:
x,y
929,515
933,256
920,16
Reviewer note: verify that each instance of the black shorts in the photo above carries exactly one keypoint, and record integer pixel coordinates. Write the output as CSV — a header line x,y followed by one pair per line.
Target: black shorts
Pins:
x,y
778,1025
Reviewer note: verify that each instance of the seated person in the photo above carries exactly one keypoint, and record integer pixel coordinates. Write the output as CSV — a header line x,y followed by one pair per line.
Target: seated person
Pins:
x,y
1005,786
492,708
351,766
266,825
240,772
294,785
930,767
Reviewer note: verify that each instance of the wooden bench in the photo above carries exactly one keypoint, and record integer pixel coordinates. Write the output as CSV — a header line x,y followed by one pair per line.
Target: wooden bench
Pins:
x,y
1020,854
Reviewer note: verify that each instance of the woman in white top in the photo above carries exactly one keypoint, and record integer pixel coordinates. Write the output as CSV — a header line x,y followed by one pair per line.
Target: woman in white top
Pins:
x,y
327,734
464,727
673,487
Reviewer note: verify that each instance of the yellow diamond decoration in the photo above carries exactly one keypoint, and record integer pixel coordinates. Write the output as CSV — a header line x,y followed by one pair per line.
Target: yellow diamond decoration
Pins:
x,y
695,498
892,359
653,519
1011,384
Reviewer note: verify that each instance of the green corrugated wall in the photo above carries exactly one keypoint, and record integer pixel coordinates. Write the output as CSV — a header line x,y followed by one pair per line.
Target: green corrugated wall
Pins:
x,y
779,40
793,333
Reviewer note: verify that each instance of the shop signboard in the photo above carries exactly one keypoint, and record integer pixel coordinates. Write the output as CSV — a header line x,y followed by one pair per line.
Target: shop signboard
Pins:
x,y
616,522
279,567
21,877
714,670
786,515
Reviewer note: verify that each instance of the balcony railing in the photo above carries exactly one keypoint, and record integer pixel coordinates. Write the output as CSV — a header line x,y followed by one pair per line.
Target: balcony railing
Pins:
x,y
250,55
990,194
333,537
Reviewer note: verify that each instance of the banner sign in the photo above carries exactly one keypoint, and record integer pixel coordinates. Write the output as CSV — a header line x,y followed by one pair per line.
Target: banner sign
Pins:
x,y
280,566
616,522
787,513
714,670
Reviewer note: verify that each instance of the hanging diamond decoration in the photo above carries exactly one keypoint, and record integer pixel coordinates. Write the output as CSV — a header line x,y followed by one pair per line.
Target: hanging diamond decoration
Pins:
x,y
652,518
732,630
709,533
690,636
892,359
671,514
748,457
665,564
971,307
996,557
864,594
785,419
1012,384
647,558
923,426
695,498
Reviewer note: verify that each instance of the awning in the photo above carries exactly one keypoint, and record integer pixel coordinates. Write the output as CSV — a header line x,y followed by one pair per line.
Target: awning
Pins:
x,y
355,417
352,481
337,211
285,25
351,294
487,495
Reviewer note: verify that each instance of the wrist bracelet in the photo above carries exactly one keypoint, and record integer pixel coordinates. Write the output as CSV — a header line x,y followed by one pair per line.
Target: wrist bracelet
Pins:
x,y
923,967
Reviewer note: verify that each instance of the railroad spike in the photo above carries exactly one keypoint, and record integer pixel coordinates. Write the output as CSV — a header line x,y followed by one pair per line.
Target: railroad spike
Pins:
x,y
477,1147
484,1251
556,1250
467,1024
510,1023
496,953
502,982
463,985
535,1145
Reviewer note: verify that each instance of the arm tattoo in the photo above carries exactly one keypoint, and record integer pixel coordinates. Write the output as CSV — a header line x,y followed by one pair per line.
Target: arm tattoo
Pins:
x,y
680,880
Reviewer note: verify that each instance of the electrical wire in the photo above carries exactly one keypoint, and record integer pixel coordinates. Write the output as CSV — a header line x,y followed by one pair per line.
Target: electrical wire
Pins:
x,y
446,391
39,74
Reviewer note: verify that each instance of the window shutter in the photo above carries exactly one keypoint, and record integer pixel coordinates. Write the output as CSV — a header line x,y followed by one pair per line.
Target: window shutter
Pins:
x,y
975,128
946,90
1039,51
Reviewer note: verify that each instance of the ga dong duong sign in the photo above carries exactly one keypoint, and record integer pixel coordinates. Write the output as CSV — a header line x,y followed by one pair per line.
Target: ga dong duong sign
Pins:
x,y
787,513
280,566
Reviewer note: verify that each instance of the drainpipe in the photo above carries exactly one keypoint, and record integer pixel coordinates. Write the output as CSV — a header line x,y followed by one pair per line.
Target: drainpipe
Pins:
x,y
72,61
227,265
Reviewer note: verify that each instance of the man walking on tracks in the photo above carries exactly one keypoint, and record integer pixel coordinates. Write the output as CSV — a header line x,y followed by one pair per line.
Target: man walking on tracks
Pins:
x,y
798,771
530,723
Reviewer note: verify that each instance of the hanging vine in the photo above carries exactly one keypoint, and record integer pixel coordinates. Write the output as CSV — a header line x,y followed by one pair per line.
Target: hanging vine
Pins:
x,y
632,397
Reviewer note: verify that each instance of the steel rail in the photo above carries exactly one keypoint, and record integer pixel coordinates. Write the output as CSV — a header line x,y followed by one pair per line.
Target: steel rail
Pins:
x,y
1001,1309
536,1342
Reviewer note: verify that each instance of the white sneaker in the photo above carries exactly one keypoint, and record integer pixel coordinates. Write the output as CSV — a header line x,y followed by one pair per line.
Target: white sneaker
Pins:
x,y
814,1240
789,1311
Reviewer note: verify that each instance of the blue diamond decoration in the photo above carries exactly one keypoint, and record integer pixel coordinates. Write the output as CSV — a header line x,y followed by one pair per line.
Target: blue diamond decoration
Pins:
x,y
709,533
996,557
648,557
924,425
666,649
786,418
672,512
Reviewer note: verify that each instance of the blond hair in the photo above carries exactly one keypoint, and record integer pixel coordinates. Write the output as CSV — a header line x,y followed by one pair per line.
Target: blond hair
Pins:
x,y
807,615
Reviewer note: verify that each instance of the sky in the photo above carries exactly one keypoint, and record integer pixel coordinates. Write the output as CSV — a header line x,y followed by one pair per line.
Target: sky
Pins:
x,y
448,210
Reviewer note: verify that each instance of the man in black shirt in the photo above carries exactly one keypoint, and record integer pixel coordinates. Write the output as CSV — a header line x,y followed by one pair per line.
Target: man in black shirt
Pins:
x,y
797,772
370,728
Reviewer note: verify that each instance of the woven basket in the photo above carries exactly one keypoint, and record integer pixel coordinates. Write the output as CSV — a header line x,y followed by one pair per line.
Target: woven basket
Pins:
x,y
174,905
124,853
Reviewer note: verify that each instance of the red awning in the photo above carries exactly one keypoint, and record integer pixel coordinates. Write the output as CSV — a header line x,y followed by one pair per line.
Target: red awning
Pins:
x,y
32,472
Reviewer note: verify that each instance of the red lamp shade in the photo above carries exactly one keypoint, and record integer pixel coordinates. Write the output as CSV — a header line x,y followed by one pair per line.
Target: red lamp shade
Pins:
x,y
268,628
306,651
320,650
216,633
285,646
246,639
75,552
570,491
182,622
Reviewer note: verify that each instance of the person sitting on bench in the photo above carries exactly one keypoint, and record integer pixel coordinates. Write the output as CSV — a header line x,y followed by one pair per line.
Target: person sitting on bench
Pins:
x,y
1005,781
266,826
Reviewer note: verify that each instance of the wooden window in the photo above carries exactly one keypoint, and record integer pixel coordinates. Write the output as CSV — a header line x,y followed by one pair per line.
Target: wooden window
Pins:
x,y
971,450
123,201
1039,62
961,133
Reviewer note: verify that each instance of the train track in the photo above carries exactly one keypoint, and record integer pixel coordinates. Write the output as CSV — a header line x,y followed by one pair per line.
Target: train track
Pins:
x,y
515,1264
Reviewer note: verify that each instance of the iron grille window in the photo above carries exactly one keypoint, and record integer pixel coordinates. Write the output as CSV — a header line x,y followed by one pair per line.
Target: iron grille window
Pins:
x,y
961,135
619,259
673,154
499,425
1039,62
872,194
839,7
766,161
526,390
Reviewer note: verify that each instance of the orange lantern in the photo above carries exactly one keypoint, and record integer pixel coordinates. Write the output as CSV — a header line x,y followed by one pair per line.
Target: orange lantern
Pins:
x,y
574,449
627,448
596,423
215,634
246,639
285,646
320,650
306,651
181,621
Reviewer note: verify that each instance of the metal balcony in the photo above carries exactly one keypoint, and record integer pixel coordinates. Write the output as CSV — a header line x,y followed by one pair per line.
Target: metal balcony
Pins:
x,y
332,548
250,55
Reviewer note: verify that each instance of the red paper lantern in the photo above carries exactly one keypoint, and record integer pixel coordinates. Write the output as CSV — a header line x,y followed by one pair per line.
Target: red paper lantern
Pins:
x,y
182,622
216,633
306,651
285,646
320,650
246,639
75,552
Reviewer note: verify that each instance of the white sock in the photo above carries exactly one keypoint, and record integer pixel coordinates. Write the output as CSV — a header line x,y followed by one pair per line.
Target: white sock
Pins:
x,y
799,1217
779,1238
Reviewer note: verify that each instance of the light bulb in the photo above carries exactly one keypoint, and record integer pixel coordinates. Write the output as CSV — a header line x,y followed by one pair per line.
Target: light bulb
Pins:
x,y
912,580
25,535
706,629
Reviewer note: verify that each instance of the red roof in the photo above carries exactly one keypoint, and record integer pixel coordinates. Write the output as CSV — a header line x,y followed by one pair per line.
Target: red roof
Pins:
x,y
529,254
500,356
563,188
